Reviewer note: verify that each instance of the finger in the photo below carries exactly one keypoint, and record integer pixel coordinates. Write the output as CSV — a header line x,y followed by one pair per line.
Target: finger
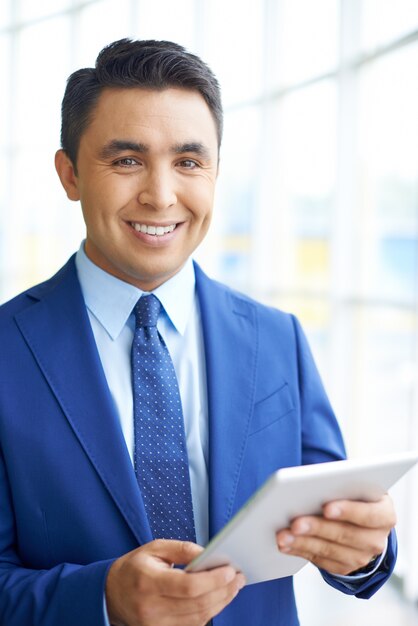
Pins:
x,y
380,514
174,551
333,567
344,559
204,607
217,607
370,540
177,583
150,570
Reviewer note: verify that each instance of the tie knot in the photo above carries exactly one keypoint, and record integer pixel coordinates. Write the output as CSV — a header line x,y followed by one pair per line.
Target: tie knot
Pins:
x,y
147,310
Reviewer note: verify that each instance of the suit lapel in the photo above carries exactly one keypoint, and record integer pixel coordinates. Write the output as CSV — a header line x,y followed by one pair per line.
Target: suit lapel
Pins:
x,y
230,336
58,332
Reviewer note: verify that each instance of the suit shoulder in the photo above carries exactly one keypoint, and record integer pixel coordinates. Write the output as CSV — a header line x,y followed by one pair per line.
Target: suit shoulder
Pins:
x,y
28,297
17,303
267,314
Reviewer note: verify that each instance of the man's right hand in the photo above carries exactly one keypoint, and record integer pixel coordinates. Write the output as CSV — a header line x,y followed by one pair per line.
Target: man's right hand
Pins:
x,y
143,589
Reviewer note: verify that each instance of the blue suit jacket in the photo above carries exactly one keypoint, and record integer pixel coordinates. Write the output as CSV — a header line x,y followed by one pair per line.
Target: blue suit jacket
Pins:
x,y
70,503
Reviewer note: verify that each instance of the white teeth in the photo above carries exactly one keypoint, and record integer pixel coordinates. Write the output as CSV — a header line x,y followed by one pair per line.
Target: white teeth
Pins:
x,y
153,230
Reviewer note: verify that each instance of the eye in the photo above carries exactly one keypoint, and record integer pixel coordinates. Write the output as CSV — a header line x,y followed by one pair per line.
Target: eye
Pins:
x,y
126,162
189,164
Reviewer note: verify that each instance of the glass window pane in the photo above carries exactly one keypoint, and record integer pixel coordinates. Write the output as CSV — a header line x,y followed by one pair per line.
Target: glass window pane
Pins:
x,y
5,91
385,20
236,195
234,47
114,20
42,227
384,378
388,145
305,179
5,13
30,10
307,39
173,21
4,204
42,64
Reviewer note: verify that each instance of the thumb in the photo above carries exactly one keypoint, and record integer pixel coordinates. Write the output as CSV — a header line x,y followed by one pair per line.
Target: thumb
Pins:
x,y
174,551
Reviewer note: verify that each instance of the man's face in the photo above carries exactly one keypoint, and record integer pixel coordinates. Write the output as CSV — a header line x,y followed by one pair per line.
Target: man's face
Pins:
x,y
146,173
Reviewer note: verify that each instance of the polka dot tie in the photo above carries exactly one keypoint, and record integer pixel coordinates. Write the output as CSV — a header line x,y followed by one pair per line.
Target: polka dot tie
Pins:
x,y
160,457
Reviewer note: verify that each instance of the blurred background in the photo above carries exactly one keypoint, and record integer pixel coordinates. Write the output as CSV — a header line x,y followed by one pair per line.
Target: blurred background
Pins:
x,y
317,202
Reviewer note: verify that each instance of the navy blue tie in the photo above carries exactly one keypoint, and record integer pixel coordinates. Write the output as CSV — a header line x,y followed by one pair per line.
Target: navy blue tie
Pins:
x,y
160,456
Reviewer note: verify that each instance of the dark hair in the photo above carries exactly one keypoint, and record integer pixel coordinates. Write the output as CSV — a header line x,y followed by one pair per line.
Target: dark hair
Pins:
x,y
126,63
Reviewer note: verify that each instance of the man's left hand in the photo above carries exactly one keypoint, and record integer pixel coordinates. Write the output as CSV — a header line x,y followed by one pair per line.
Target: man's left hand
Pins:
x,y
346,538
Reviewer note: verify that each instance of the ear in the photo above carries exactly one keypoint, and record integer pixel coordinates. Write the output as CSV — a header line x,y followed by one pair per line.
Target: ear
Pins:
x,y
67,175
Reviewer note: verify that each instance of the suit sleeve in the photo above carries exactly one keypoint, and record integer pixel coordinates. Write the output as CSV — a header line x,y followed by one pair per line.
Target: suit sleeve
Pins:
x,y
367,586
322,441
65,595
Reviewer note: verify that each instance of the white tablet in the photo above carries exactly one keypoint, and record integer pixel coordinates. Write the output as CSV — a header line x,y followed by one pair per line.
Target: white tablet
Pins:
x,y
248,541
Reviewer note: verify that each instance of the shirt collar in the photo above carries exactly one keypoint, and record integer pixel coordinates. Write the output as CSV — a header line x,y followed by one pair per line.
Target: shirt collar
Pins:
x,y
112,300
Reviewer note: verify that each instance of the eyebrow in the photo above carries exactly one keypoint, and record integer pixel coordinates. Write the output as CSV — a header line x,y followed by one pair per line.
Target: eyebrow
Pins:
x,y
194,146
116,146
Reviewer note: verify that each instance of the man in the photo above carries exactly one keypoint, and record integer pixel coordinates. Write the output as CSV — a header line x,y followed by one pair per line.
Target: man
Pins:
x,y
80,531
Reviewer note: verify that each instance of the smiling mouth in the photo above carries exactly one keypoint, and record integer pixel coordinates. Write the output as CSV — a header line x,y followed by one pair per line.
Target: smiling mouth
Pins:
x,y
157,231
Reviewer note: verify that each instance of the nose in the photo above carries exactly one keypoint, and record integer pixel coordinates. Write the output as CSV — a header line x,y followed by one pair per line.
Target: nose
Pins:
x,y
157,189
